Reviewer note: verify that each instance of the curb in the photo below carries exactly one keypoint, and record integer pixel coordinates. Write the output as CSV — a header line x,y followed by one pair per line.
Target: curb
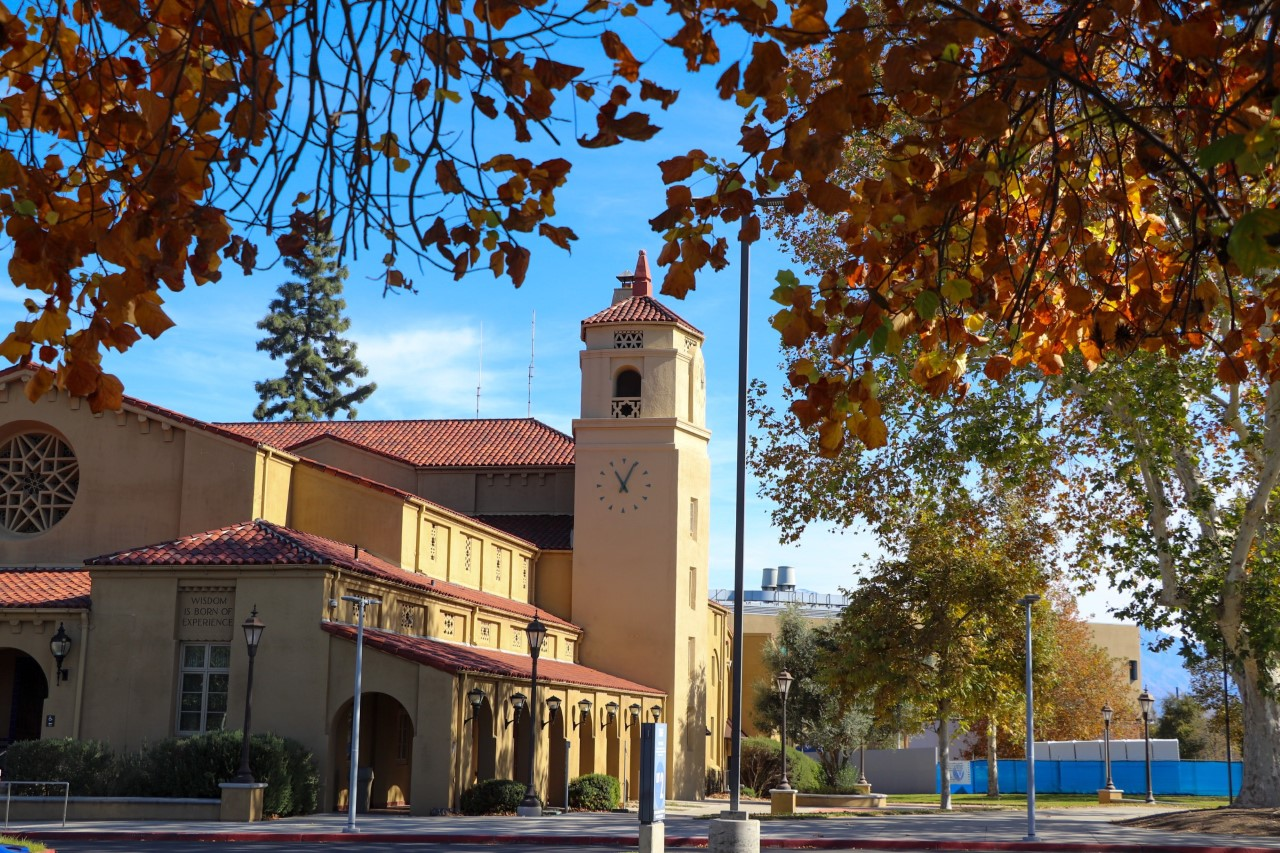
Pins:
x,y
632,841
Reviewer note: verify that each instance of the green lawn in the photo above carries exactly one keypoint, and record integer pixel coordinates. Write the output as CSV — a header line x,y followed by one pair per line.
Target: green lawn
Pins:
x,y
36,846
1055,801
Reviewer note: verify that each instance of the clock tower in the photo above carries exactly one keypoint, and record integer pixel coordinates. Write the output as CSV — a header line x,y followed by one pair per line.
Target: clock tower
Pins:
x,y
641,501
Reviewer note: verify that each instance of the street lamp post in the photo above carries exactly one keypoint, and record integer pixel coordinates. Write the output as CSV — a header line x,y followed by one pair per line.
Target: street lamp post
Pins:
x,y
740,500
783,681
352,779
253,628
1147,701
1226,718
1027,601
536,633
1106,743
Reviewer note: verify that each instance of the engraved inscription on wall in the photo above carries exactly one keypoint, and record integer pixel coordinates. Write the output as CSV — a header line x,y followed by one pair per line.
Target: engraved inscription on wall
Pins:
x,y
206,615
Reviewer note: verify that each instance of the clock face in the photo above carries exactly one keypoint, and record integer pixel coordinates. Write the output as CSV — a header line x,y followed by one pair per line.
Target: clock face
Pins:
x,y
623,485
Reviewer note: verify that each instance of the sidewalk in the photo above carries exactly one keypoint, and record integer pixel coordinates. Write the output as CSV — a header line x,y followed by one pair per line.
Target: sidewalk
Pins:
x,y
1082,829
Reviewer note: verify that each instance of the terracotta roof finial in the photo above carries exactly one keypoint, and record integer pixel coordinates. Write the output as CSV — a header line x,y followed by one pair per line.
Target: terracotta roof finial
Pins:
x,y
641,283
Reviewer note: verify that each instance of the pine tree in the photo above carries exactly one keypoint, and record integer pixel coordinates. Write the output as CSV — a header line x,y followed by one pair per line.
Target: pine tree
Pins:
x,y
305,329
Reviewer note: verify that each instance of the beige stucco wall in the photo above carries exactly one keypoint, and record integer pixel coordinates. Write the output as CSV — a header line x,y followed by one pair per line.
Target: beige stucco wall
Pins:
x,y
141,480
27,631
631,572
1124,644
481,491
553,582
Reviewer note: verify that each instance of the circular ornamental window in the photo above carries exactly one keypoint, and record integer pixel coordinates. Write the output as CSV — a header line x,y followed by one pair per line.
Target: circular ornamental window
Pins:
x,y
39,476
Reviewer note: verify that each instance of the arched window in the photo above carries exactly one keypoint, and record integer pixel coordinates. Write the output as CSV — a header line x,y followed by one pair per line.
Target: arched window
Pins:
x,y
627,384
626,394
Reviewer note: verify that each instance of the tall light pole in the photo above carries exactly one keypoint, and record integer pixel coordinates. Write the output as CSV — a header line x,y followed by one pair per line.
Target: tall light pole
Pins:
x,y
1027,601
352,781
1147,701
536,633
783,681
1106,743
744,292
253,628
1226,719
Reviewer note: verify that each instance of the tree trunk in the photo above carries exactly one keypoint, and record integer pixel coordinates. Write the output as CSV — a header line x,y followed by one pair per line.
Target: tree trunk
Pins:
x,y
944,755
1260,787
993,766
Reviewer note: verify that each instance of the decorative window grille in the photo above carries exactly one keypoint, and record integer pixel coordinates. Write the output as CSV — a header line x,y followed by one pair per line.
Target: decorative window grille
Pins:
x,y
433,543
486,631
524,571
568,650
448,625
628,340
497,570
39,478
202,687
626,407
690,345
517,636
693,518
466,553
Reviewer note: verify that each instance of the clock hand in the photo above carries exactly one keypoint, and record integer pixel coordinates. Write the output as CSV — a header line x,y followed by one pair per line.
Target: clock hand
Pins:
x,y
623,480
622,484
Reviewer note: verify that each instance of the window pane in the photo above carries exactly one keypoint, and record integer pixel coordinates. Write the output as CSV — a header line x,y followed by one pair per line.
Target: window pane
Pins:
x,y
218,682
193,681
215,722
189,722
219,657
217,702
191,701
192,657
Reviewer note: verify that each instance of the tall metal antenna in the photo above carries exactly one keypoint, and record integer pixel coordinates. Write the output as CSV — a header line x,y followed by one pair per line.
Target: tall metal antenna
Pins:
x,y
533,341
480,372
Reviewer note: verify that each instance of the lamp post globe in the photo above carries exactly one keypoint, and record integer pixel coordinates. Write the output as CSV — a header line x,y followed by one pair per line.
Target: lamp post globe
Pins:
x,y
60,645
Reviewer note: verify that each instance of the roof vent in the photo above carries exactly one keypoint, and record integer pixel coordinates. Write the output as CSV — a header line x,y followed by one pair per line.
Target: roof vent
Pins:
x,y
786,577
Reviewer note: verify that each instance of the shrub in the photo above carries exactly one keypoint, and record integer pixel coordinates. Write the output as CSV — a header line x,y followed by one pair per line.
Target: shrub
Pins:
x,y
493,796
594,792
175,767
87,764
846,778
762,766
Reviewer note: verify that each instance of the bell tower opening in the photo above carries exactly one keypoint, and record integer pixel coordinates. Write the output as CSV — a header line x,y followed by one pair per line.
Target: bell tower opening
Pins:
x,y
626,394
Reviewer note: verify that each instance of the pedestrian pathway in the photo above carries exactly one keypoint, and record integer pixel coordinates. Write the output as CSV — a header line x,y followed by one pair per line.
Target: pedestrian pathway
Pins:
x,y
1091,829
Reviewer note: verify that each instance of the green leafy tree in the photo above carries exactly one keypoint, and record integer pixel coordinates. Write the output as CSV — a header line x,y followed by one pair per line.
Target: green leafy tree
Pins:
x,y
815,715
305,328
1182,718
1221,703
935,628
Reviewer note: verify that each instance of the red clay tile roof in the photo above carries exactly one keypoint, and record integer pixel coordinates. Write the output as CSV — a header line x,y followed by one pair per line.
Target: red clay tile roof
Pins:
x,y
454,658
481,442
548,532
261,543
638,309
25,587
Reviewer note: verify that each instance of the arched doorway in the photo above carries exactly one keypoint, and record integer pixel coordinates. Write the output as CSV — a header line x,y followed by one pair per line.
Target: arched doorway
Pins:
x,y
386,749
484,744
521,731
613,751
633,762
557,761
586,746
23,689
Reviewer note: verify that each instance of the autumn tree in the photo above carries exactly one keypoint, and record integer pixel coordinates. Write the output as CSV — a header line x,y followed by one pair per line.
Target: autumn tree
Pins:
x,y
815,715
935,626
305,328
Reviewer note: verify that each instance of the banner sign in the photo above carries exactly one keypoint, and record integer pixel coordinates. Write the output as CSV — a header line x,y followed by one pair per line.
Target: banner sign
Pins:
x,y
653,772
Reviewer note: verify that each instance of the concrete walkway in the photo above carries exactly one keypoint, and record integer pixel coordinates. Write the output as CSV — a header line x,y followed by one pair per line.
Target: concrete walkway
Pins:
x,y
687,826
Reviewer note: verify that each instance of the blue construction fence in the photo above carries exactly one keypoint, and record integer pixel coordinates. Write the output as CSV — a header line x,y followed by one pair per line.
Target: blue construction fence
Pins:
x,y
1184,778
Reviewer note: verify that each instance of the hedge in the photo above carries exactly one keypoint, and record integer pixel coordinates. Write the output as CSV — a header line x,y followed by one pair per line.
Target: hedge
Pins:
x,y
175,767
493,796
